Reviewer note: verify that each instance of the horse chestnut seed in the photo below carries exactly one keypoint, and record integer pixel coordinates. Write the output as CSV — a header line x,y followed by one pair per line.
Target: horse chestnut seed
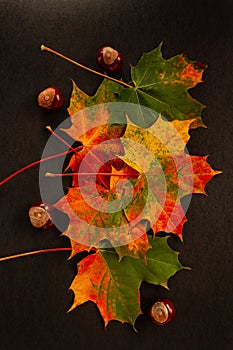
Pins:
x,y
50,99
40,215
162,312
109,59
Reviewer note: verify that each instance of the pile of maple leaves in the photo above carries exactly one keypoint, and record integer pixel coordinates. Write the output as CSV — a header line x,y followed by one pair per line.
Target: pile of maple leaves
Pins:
x,y
111,277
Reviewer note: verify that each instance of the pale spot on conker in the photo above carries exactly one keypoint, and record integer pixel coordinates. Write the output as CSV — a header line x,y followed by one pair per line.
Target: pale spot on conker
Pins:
x,y
159,312
46,97
38,216
109,55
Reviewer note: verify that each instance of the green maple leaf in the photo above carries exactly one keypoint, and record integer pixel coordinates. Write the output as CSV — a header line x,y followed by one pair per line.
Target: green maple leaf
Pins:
x,y
114,286
162,85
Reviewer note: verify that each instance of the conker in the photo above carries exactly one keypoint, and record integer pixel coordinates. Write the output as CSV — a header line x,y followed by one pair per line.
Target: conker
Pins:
x,y
162,311
50,99
40,215
109,59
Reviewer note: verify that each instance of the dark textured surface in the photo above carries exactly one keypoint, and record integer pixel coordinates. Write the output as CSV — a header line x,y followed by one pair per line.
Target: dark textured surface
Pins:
x,y
34,294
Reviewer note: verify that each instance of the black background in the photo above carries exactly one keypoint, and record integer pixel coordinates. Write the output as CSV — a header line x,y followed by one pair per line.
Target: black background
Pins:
x,y
34,294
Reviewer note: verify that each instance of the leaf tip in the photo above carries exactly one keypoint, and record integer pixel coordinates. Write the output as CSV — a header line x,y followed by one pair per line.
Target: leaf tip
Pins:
x,y
218,172
73,83
134,328
160,45
70,309
164,285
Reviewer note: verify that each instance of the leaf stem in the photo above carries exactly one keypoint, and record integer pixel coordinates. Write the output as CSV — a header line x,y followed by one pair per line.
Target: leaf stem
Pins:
x,y
44,48
38,162
85,174
52,250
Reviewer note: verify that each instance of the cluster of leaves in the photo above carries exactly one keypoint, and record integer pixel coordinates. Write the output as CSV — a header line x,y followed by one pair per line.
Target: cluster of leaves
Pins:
x,y
112,277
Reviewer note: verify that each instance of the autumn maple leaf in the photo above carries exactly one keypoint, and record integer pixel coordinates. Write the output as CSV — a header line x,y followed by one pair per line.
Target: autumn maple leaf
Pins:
x,y
92,127
114,287
173,173
162,85
92,219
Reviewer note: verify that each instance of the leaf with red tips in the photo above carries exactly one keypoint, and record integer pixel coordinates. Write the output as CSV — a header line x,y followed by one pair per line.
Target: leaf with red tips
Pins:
x,y
92,219
114,286
88,225
203,173
94,126
171,172
162,85
91,137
